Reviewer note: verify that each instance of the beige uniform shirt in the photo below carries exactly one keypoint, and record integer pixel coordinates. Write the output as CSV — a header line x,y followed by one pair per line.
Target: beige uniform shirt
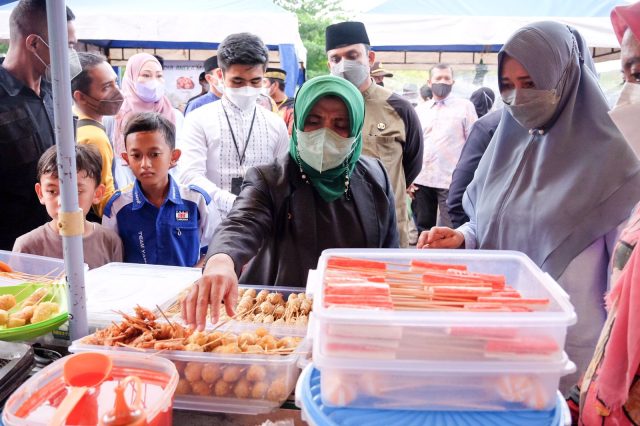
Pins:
x,y
392,133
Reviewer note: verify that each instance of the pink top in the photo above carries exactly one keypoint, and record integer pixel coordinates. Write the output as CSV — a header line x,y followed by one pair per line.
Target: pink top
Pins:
x,y
133,104
445,127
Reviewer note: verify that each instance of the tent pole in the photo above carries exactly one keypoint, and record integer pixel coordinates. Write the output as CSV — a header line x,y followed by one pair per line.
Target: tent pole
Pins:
x,y
65,142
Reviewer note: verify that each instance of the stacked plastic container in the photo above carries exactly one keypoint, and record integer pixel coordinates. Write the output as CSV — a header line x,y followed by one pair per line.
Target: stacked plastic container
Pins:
x,y
225,382
444,360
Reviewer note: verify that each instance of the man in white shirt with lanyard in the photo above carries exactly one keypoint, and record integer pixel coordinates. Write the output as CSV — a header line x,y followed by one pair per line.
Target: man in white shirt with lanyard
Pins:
x,y
221,140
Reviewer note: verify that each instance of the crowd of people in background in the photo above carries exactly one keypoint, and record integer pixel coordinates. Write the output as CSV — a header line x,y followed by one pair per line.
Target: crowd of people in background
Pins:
x,y
252,185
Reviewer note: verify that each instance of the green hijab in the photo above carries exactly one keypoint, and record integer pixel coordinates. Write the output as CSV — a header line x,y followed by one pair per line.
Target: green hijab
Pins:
x,y
330,184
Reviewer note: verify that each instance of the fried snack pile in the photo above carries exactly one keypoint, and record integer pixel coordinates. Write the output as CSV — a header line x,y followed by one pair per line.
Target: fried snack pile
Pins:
x,y
31,311
144,332
230,380
271,308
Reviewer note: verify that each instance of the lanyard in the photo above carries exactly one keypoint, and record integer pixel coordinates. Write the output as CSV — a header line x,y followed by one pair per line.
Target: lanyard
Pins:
x,y
233,136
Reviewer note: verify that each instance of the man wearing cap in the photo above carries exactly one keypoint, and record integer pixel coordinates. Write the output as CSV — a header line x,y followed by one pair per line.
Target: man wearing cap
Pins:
x,y
215,87
391,131
378,73
274,83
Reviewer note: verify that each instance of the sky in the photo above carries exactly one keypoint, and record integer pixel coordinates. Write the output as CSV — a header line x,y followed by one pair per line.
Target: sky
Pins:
x,y
359,6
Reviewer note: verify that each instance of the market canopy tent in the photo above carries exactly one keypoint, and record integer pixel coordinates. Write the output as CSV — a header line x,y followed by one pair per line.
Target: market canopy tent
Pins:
x,y
191,24
480,26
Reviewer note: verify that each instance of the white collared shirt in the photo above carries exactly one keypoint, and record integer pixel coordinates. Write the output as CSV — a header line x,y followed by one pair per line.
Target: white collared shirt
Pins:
x,y
209,157
445,127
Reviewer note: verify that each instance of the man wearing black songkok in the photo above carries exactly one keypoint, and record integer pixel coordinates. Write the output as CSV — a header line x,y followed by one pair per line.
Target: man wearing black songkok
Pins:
x,y
392,131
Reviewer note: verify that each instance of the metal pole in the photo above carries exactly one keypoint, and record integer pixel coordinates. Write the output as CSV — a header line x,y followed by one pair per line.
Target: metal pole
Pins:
x,y
65,141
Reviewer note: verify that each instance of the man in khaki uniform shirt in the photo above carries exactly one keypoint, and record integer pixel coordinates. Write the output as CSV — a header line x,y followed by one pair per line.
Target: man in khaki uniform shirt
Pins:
x,y
392,131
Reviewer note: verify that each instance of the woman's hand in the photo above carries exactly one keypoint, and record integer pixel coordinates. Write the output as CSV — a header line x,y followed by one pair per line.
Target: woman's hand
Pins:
x,y
440,237
218,283
411,191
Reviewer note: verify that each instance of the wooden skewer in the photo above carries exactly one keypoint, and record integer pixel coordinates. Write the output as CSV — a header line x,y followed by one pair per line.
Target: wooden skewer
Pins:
x,y
217,340
165,317
280,351
130,347
220,324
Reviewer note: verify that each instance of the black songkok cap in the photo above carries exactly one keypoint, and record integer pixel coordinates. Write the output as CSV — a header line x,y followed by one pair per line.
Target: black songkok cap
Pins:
x,y
211,64
345,34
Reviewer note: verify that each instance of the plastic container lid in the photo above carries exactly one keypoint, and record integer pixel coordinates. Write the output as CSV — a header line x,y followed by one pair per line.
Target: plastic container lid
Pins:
x,y
315,413
520,272
30,264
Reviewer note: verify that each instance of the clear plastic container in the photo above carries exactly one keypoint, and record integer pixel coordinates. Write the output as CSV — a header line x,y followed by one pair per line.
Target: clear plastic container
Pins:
x,y
37,399
47,267
121,286
314,412
374,334
225,383
441,386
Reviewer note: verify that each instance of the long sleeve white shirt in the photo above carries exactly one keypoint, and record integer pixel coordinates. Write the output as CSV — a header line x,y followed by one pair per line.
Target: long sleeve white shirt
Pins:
x,y
209,156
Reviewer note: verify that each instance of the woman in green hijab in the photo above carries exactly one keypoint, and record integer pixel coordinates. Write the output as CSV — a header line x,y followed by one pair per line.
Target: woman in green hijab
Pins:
x,y
321,195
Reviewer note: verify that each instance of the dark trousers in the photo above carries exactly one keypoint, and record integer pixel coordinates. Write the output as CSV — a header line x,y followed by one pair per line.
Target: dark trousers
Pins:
x,y
425,207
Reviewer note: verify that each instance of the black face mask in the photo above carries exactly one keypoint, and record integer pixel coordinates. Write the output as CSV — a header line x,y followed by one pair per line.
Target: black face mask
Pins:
x,y
381,84
441,90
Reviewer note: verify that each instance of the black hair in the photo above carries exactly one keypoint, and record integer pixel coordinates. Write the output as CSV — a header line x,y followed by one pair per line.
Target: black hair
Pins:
x,y
242,49
88,160
425,92
160,59
281,83
151,122
440,66
88,61
30,17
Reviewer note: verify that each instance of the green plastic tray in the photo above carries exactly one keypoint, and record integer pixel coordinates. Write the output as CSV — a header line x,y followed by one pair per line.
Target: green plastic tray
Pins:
x,y
57,293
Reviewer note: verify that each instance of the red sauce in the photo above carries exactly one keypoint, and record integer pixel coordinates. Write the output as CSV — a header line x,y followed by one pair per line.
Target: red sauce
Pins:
x,y
99,400
86,379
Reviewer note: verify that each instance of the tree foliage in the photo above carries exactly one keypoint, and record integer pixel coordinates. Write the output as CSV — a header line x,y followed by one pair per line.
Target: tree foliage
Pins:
x,y
313,17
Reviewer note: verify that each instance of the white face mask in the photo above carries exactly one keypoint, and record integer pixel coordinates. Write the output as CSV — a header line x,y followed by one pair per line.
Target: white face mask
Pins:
x,y
352,71
323,149
625,115
74,63
243,97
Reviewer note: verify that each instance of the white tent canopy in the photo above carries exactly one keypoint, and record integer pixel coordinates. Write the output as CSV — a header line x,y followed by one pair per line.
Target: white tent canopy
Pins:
x,y
472,26
179,24
189,24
